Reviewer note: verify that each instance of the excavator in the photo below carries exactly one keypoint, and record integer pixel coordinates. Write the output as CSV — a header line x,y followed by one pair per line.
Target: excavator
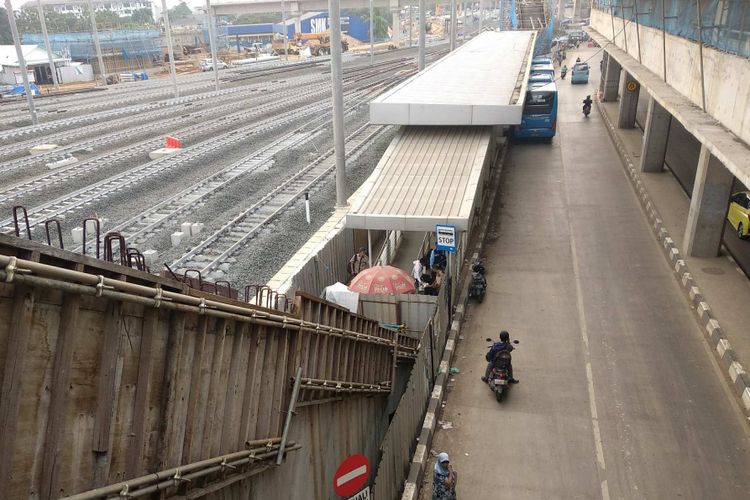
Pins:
x,y
319,43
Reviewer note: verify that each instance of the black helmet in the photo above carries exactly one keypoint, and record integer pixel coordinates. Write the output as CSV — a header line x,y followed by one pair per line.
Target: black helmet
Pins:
x,y
504,336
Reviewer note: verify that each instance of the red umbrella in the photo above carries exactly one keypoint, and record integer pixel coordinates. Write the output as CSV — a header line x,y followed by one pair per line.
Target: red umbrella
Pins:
x,y
382,279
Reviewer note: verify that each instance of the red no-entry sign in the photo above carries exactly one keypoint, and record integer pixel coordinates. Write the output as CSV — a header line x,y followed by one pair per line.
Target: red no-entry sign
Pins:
x,y
351,475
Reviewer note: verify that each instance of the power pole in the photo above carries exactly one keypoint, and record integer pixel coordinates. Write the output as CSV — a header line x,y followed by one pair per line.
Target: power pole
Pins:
x,y
283,27
97,46
453,25
372,36
337,91
21,61
212,43
422,35
43,22
170,48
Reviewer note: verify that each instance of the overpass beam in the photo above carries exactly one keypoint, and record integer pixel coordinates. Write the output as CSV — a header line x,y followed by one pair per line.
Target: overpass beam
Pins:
x,y
628,102
655,136
611,78
708,206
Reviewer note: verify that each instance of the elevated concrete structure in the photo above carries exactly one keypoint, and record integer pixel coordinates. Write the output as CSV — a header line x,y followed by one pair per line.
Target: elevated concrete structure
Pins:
x,y
655,136
719,144
293,7
481,83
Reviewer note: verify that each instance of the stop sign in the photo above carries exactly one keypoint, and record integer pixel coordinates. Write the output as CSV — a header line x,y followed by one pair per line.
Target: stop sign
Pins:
x,y
351,475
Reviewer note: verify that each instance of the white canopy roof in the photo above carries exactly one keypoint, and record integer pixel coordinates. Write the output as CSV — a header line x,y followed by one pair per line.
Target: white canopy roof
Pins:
x,y
481,83
427,176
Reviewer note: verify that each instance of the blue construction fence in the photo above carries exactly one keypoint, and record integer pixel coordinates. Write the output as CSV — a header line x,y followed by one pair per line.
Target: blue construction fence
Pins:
x,y
130,44
725,23
352,25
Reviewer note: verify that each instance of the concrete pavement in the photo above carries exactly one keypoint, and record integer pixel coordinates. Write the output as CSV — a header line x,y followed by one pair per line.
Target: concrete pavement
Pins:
x,y
620,396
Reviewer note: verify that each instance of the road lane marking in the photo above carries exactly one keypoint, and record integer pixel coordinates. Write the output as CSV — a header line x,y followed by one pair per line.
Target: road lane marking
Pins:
x,y
585,337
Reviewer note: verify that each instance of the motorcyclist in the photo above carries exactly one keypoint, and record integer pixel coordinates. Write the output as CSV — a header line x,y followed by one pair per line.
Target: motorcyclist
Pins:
x,y
587,102
563,71
503,345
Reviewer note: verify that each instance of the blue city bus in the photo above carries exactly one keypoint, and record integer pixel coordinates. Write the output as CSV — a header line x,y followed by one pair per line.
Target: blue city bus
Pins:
x,y
542,69
539,117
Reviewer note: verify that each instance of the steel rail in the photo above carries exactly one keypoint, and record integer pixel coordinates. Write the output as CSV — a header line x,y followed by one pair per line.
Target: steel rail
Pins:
x,y
130,112
136,175
139,228
247,223
222,117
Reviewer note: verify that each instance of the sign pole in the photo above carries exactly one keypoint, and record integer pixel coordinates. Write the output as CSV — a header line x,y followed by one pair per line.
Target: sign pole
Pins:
x,y
170,48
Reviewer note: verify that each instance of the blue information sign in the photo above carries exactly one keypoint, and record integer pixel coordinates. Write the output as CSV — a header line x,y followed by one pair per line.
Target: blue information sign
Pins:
x,y
446,238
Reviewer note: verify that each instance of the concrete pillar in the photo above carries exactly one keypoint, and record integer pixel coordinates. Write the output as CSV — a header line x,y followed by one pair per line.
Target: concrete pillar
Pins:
x,y
611,79
708,207
655,136
577,4
603,72
395,22
628,102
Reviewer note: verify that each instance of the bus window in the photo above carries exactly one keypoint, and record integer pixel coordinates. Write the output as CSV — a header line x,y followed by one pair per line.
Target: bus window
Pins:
x,y
538,103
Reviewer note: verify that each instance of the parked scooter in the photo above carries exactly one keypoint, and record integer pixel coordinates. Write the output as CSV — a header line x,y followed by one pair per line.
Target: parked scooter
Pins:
x,y
478,286
499,381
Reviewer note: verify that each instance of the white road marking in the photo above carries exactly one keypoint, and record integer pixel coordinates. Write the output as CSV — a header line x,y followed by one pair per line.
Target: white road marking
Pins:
x,y
586,353
359,471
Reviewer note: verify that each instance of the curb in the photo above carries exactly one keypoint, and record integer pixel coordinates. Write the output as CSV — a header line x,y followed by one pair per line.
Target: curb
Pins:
x,y
422,451
714,334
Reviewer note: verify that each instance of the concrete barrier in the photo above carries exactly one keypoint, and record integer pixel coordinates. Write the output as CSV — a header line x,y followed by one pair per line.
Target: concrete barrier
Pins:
x,y
714,334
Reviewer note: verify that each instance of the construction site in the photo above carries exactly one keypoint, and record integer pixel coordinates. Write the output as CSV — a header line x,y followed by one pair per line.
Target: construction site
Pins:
x,y
256,267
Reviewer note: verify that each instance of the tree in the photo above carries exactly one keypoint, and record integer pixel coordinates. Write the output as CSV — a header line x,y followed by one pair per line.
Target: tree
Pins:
x,y
6,38
142,16
179,11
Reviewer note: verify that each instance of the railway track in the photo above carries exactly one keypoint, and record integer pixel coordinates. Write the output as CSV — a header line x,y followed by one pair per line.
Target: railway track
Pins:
x,y
216,117
119,116
11,115
130,178
144,226
218,248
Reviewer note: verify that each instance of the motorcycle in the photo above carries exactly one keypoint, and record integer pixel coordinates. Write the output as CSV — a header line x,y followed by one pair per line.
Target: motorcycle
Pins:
x,y
499,379
478,286
563,72
586,110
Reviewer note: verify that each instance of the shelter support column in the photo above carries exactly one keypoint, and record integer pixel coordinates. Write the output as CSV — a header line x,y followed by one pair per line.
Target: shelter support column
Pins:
x,y
611,79
655,136
628,102
708,206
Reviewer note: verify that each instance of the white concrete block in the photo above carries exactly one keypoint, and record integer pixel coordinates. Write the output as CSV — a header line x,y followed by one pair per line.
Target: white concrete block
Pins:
x,y
177,238
91,226
185,228
42,148
61,163
150,256
77,234
196,228
162,152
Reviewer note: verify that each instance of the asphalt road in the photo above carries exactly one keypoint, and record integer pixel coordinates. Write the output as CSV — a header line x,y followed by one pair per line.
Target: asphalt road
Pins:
x,y
620,397
682,160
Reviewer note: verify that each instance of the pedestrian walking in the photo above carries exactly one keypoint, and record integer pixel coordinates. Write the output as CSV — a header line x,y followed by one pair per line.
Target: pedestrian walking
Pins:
x,y
358,263
444,479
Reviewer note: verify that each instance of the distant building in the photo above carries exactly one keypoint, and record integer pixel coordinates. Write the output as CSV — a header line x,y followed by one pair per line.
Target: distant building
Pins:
x,y
37,64
123,8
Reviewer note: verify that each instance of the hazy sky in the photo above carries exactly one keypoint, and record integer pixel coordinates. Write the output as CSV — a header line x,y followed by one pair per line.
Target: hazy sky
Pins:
x,y
170,3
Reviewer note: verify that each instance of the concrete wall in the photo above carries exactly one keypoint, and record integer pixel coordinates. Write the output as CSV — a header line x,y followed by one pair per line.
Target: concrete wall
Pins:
x,y
71,74
726,75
